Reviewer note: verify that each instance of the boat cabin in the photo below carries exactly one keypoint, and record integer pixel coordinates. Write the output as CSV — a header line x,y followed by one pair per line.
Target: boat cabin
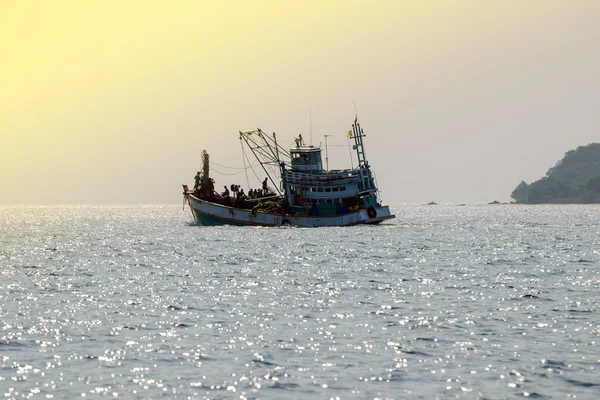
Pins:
x,y
306,158
310,188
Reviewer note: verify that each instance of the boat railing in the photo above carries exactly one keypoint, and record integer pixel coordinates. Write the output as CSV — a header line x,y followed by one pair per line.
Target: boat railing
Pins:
x,y
274,197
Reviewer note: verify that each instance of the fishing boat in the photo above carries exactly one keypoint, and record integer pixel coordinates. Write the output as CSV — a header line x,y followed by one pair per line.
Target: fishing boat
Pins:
x,y
302,192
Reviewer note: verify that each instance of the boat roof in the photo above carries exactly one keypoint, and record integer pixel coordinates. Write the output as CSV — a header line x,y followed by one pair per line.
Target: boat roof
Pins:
x,y
305,149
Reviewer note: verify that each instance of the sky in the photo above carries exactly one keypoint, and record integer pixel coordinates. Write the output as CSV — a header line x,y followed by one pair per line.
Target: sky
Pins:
x,y
112,102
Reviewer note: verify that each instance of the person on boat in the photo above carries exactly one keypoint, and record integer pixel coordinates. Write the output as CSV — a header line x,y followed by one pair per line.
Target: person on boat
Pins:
x,y
241,195
265,187
235,189
197,180
225,193
251,194
207,189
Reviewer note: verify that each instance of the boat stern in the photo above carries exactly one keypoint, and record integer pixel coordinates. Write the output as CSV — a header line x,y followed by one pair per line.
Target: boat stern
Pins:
x,y
376,215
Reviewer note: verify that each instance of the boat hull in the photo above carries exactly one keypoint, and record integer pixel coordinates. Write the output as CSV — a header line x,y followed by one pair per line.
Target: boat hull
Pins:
x,y
211,214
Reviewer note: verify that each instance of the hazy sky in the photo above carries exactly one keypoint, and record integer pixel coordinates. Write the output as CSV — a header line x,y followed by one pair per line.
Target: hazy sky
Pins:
x,y
113,101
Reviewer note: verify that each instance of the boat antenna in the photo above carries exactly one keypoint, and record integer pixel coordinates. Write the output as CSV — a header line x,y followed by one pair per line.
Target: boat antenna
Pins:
x,y
310,123
326,153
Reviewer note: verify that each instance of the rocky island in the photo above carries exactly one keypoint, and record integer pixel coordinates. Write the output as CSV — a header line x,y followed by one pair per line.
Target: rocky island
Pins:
x,y
574,179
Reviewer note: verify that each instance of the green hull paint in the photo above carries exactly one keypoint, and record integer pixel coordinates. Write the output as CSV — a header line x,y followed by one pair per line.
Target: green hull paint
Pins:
x,y
206,220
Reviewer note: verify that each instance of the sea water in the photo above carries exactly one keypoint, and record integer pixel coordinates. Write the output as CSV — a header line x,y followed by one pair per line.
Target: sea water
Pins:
x,y
471,302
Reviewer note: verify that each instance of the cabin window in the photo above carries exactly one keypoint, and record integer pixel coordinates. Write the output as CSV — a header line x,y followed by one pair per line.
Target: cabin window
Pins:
x,y
320,189
335,189
328,189
300,157
313,189
342,188
329,201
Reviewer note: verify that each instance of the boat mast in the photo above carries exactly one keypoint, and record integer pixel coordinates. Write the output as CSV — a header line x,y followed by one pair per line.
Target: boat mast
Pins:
x,y
358,135
367,183
276,147
281,168
205,166
265,150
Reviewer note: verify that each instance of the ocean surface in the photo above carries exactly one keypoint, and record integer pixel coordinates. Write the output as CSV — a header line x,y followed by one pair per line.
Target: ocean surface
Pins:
x,y
448,302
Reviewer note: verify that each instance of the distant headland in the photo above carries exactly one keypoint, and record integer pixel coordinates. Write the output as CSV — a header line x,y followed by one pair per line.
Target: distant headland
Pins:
x,y
574,179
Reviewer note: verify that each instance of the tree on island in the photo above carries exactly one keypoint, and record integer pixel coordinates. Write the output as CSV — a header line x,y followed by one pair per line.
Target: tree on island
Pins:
x,y
574,179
